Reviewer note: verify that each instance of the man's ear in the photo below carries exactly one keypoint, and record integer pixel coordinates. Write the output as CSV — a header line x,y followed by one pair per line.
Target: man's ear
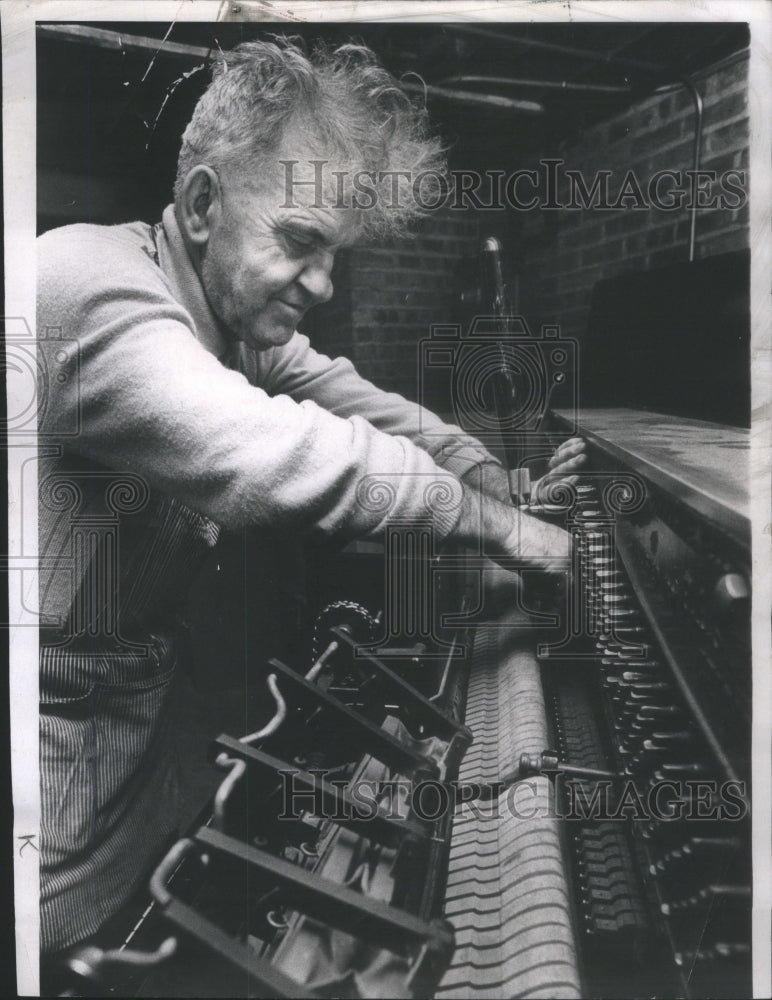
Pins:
x,y
199,204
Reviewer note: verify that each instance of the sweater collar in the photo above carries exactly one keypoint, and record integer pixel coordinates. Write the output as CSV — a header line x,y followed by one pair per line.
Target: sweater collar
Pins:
x,y
176,264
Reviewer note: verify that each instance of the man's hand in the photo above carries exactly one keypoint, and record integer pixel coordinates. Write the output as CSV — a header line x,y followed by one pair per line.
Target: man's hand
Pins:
x,y
569,457
511,537
532,542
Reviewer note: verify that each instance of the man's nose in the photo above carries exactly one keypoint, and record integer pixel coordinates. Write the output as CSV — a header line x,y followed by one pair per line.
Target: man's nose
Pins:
x,y
316,276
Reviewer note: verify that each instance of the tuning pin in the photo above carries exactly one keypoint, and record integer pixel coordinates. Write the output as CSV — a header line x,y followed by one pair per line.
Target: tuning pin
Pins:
x,y
656,713
696,845
587,513
598,535
619,645
687,769
621,615
640,678
709,956
615,684
633,701
651,687
662,742
674,856
614,596
638,730
651,749
617,639
639,670
627,633
727,892
686,959
732,949
671,738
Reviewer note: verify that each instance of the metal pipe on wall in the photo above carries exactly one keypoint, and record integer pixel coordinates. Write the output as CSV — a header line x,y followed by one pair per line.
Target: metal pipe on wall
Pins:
x,y
565,85
481,100
696,157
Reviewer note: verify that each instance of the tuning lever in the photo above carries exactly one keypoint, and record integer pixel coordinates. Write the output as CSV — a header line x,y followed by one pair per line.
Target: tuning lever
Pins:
x,y
548,761
88,963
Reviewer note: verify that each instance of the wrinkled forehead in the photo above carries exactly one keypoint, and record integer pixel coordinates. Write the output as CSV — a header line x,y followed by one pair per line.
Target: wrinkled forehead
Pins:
x,y
303,180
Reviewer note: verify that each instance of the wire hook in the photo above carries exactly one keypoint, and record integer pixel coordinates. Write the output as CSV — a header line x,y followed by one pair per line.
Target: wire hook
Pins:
x,y
166,869
87,962
237,769
278,717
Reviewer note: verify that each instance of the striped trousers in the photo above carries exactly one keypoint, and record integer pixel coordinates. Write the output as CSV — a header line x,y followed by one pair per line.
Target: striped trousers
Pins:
x,y
109,790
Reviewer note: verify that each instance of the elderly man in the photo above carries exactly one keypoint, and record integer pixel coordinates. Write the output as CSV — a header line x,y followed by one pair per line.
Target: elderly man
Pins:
x,y
197,406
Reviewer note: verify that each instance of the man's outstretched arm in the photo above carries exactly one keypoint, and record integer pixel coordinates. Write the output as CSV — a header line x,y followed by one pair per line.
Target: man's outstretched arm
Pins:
x,y
301,372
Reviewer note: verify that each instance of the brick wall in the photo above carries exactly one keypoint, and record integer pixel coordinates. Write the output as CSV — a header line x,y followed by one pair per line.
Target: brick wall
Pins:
x,y
387,298
565,252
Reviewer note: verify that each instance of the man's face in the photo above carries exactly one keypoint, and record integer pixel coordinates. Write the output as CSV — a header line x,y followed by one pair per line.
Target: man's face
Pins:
x,y
265,265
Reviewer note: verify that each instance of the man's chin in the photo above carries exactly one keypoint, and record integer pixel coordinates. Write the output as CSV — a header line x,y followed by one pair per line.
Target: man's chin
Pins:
x,y
263,339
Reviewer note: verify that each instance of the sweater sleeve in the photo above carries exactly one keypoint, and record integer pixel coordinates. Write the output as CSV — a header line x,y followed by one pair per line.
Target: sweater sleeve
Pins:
x,y
148,398
303,373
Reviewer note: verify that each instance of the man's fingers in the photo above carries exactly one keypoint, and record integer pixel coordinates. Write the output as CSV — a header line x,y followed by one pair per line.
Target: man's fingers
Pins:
x,y
497,579
565,454
538,543
570,449
557,464
541,489
572,444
